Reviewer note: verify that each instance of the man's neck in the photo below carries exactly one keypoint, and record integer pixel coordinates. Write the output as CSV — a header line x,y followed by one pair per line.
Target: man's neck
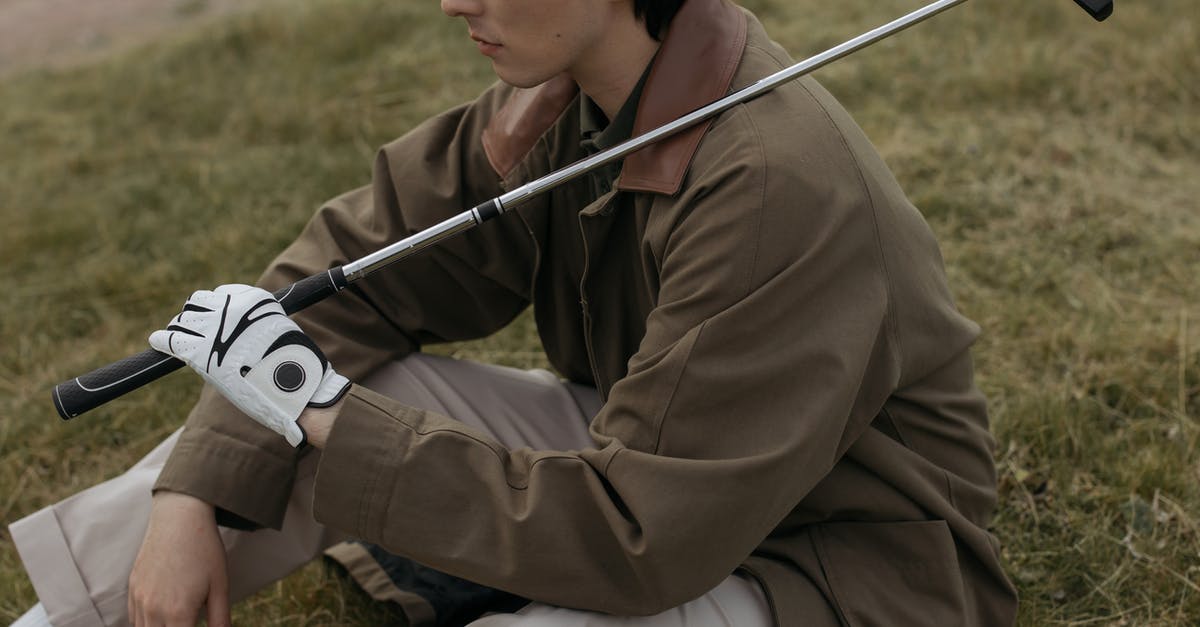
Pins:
x,y
610,74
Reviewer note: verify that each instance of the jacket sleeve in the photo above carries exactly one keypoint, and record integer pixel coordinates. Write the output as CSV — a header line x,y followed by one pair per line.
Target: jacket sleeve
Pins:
x,y
467,287
767,353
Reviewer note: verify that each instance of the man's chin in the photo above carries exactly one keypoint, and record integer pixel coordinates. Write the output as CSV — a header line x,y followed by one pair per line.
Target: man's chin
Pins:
x,y
522,80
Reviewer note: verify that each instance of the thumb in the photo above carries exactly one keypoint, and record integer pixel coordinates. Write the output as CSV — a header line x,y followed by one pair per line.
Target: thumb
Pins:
x,y
218,604
161,341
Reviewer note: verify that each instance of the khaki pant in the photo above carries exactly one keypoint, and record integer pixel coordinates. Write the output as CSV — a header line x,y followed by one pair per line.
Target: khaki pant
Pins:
x,y
79,552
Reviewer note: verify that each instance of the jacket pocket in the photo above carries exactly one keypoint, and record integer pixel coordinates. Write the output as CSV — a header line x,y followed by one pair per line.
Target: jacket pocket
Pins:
x,y
895,573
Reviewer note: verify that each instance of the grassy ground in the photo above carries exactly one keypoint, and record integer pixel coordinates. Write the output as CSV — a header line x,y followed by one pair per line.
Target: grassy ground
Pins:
x,y
1055,158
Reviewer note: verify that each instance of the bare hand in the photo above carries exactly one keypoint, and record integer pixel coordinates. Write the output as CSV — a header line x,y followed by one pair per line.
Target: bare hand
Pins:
x,y
180,567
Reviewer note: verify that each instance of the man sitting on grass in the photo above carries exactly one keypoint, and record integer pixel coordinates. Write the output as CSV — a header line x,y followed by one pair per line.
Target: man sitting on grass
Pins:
x,y
766,415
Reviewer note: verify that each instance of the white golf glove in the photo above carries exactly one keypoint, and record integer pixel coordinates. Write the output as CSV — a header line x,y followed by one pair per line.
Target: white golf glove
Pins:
x,y
239,339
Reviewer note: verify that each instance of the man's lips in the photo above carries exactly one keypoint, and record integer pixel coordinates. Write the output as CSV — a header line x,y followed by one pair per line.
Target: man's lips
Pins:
x,y
488,48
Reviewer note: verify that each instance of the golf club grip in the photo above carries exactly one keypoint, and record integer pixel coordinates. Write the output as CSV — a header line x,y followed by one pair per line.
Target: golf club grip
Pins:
x,y
89,391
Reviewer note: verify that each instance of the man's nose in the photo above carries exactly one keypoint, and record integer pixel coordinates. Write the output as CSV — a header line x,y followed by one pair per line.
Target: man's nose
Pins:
x,y
456,8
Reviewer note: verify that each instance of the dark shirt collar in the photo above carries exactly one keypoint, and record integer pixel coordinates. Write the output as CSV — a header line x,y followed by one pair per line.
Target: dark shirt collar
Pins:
x,y
596,132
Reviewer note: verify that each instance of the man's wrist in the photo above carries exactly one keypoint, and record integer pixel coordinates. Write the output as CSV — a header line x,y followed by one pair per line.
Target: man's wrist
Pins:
x,y
180,501
317,422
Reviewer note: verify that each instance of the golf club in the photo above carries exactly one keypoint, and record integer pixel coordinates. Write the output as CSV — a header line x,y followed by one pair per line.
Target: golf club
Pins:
x,y
88,391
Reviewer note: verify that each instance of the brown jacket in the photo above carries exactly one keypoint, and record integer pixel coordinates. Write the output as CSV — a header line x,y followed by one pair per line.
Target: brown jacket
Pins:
x,y
787,381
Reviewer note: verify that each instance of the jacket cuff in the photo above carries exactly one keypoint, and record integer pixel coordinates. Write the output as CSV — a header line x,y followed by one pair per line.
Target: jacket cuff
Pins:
x,y
353,489
249,487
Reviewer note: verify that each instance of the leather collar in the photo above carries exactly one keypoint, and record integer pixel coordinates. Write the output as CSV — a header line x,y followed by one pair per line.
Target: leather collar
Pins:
x,y
693,67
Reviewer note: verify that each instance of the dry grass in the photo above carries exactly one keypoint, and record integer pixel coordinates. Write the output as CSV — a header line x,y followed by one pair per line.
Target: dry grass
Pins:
x,y
1056,159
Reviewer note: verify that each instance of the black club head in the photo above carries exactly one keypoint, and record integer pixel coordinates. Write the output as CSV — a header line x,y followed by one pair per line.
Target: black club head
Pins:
x,y
1099,9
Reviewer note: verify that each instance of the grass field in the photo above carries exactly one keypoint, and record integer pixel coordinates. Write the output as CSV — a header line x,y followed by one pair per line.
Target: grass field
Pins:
x,y
1057,160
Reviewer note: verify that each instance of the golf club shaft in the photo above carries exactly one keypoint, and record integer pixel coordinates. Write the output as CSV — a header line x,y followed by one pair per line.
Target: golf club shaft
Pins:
x,y
86,392
492,208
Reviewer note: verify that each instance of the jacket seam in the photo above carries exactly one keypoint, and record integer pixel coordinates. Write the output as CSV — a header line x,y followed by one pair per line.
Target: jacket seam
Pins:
x,y
817,537
611,458
753,265
949,489
537,257
662,417
892,315
758,578
770,54
735,114
895,426
367,499
762,200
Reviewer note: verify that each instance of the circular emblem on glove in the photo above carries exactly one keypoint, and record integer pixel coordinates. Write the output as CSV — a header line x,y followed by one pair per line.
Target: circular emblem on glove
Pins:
x,y
289,376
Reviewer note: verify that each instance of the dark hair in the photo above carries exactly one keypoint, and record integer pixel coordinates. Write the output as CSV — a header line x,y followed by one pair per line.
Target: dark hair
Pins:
x,y
657,13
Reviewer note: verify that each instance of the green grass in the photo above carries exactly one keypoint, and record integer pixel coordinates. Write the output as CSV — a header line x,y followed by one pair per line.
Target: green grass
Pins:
x,y
1055,158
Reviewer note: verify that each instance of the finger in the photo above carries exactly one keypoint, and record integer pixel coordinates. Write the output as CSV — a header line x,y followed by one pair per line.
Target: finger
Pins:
x,y
218,607
233,289
193,315
143,619
199,297
218,597
174,342
160,341
186,330
204,300
182,345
